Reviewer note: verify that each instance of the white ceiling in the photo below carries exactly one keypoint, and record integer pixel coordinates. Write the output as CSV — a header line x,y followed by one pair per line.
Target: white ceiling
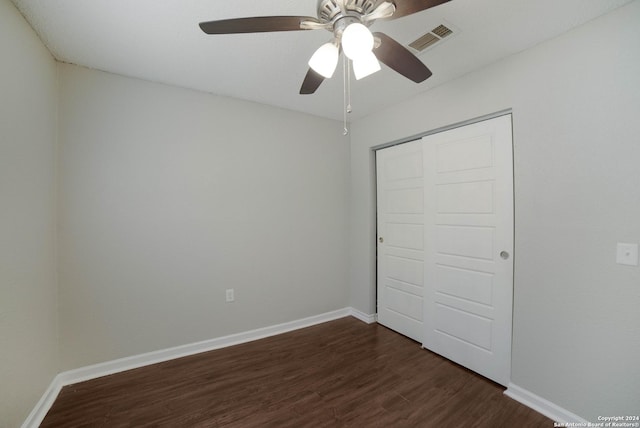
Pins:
x,y
159,40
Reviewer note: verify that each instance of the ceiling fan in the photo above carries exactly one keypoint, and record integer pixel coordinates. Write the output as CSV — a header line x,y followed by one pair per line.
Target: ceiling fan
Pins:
x,y
348,20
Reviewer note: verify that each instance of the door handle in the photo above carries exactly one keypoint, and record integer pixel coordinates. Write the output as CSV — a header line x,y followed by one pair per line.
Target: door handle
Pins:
x,y
381,239
504,255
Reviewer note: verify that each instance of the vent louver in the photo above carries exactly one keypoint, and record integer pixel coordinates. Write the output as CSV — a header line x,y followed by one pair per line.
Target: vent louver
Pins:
x,y
431,38
442,31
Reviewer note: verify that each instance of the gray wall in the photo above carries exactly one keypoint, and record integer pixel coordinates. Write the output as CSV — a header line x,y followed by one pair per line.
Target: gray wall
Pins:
x,y
169,196
576,103
28,302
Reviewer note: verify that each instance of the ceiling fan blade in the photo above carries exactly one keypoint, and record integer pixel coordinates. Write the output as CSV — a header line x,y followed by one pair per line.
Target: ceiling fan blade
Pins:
x,y
261,24
311,82
400,59
408,7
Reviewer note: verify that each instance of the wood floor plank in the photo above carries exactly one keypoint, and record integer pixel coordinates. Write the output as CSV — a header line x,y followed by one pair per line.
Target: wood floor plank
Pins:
x,y
343,373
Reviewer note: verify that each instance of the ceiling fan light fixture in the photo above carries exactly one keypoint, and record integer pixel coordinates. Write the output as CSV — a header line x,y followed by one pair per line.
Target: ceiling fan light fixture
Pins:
x,y
357,41
325,60
348,20
365,65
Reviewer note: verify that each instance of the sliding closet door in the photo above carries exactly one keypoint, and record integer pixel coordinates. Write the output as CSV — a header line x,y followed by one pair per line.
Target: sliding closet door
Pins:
x,y
469,245
400,238
445,244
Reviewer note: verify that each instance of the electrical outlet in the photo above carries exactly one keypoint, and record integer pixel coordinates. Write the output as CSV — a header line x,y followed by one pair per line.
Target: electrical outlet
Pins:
x,y
627,254
230,295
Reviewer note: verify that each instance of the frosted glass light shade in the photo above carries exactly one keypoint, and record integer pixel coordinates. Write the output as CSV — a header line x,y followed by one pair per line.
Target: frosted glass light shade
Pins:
x,y
357,41
325,60
365,65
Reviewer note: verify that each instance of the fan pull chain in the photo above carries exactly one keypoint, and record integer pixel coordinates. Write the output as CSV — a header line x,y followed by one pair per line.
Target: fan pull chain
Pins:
x,y
349,109
345,105
346,74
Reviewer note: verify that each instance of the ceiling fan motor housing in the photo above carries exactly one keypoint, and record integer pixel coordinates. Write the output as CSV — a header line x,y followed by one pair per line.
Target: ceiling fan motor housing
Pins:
x,y
333,10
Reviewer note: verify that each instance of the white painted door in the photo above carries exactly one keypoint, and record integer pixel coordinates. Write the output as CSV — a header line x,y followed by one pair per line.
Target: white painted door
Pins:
x,y
468,186
400,238
445,244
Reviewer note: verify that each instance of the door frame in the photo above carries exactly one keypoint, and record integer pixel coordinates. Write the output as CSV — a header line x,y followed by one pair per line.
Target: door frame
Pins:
x,y
418,136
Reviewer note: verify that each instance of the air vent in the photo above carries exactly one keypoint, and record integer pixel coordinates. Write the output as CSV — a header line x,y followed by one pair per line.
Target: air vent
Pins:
x,y
431,38
424,42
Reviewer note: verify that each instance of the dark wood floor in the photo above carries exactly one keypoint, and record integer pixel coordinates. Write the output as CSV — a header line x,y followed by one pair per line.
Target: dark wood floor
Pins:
x,y
342,373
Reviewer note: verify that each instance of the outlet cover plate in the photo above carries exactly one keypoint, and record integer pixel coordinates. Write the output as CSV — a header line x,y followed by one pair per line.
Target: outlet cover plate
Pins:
x,y
627,254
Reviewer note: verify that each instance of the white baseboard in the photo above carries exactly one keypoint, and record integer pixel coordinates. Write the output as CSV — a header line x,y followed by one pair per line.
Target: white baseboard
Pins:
x,y
136,361
369,319
541,405
82,374
38,413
